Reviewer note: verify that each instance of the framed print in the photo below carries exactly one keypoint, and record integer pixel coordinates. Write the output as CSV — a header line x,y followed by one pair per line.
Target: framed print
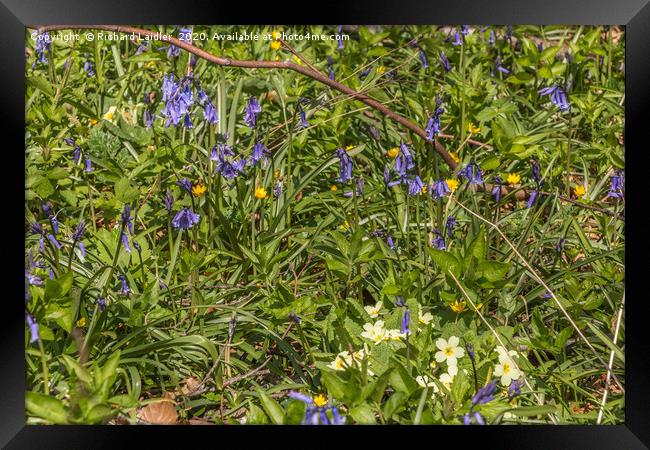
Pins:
x,y
383,215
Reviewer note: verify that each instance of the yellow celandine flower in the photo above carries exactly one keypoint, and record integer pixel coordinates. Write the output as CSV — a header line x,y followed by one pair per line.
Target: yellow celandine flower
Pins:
x,y
345,225
381,70
260,192
320,400
333,188
473,128
198,189
513,178
275,45
454,156
150,64
579,191
93,121
423,190
297,60
349,147
393,152
81,322
458,307
452,184
277,35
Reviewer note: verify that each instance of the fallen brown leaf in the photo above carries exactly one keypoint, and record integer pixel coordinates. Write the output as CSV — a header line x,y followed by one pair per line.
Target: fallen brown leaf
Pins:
x,y
162,412
190,385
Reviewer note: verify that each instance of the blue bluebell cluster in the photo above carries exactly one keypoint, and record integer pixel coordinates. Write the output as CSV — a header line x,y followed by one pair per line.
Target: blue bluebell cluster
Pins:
x,y
316,415
227,165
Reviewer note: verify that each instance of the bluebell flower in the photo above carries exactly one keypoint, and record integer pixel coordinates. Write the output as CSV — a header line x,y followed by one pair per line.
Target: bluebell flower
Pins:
x,y
142,48
303,118
399,301
149,118
259,153
464,29
472,173
51,274
450,224
101,302
557,95
514,389
440,189
491,40
536,171
423,59
36,228
185,219
433,126
391,244
360,188
559,247
126,218
500,68
404,161
277,189
201,96
457,39
415,185
125,241
531,199
330,67
294,317
125,289
496,190
364,73
252,110
89,165
54,241
185,184
406,319
210,113
445,61
438,241
485,394
88,67
479,418
386,174
43,45
470,351
169,200
33,328
82,247
617,185
33,279
226,165
345,165
339,38
79,231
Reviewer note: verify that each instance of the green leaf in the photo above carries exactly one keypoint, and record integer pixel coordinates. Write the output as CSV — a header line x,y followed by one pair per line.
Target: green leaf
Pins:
x,y
531,411
49,408
334,385
363,414
492,270
271,407
445,261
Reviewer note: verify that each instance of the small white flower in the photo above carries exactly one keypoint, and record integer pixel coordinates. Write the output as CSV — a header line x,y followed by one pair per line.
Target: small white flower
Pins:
x,y
110,113
448,378
341,362
395,335
449,350
425,381
375,332
373,311
506,369
424,319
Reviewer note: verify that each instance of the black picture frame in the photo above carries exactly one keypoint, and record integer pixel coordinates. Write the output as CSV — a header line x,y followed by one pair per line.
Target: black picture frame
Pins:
x,y
15,15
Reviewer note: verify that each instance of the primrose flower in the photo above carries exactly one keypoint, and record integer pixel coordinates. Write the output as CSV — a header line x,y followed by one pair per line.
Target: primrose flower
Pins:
x,y
506,369
558,96
424,318
445,61
252,110
447,378
185,219
449,350
503,351
373,311
617,185
374,332
345,165
513,179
